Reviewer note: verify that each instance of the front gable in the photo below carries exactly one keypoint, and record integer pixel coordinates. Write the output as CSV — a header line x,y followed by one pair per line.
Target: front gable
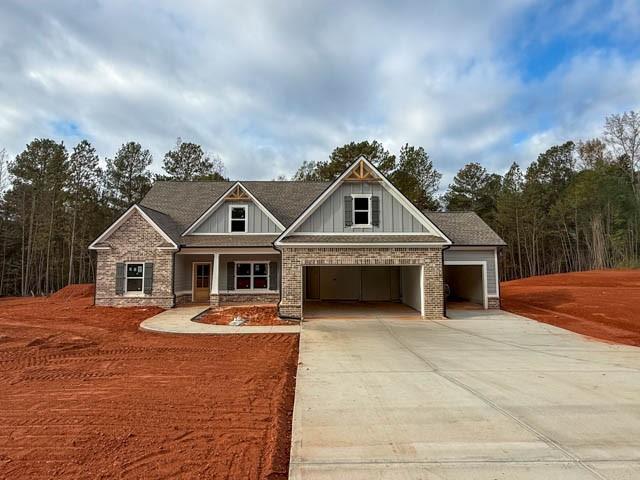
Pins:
x,y
132,228
217,220
390,212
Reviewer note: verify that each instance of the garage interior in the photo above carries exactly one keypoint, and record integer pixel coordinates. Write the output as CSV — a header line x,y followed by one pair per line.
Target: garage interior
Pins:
x,y
464,287
356,290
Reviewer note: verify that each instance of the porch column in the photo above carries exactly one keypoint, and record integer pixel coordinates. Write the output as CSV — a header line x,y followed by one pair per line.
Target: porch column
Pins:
x,y
214,298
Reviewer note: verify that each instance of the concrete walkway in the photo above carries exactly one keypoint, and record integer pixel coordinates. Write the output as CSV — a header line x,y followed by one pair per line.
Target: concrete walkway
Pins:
x,y
180,320
480,396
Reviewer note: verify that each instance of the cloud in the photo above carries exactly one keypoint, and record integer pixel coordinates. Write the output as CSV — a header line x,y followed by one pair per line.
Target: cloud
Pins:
x,y
269,85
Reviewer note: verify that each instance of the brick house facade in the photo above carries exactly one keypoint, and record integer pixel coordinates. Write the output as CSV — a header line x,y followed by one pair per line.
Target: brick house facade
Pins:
x,y
288,243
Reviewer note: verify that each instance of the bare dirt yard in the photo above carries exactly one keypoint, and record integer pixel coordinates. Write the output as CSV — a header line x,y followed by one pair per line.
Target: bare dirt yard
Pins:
x,y
85,394
255,315
604,304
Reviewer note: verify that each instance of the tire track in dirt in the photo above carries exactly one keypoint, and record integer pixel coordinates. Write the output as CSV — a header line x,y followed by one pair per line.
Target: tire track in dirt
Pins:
x,y
94,397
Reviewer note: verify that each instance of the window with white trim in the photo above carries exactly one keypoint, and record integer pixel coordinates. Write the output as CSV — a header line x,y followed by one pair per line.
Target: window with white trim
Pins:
x,y
361,210
252,276
237,218
134,277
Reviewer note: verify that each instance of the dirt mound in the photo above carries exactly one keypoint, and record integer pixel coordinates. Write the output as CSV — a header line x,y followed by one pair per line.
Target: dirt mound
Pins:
x,y
603,304
255,315
76,290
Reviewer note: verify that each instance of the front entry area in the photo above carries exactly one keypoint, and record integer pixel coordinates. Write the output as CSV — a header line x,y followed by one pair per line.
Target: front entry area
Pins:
x,y
356,291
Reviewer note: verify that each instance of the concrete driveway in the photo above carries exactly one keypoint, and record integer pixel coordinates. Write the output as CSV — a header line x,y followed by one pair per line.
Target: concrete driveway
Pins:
x,y
479,396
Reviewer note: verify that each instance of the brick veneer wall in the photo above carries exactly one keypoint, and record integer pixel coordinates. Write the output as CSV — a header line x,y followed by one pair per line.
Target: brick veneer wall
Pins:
x,y
493,302
248,298
135,241
295,259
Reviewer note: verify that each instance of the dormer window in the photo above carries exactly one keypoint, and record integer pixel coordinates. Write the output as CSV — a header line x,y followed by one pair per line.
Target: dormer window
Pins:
x,y
237,218
361,210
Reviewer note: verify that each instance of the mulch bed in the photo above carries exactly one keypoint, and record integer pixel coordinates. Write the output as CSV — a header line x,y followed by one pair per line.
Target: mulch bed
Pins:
x,y
86,394
255,315
603,304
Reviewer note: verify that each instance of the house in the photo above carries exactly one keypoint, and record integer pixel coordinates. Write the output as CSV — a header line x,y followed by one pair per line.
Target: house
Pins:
x,y
357,238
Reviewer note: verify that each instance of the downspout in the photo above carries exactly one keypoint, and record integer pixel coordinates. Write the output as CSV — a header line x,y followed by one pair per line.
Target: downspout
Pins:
x,y
173,275
280,274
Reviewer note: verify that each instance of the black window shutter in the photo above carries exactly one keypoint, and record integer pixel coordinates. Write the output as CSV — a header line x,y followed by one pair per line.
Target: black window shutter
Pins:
x,y
348,211
273,275
375,211
119,278
148,278
231,275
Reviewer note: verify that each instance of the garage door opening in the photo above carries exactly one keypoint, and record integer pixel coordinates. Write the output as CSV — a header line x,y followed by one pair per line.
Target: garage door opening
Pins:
x,y
362,291
465,286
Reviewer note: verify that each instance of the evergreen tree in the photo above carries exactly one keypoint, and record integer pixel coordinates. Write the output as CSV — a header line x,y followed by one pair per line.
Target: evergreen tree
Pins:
x,y
416,177
189,162
342,157
127,176
82,188
473,188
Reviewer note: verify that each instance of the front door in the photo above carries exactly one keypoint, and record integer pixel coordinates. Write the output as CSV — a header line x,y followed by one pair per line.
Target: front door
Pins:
x,y
201,282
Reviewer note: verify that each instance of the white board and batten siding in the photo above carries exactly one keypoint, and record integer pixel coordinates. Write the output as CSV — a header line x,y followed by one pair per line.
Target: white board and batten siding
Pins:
x,y
218,221
329,217
488,256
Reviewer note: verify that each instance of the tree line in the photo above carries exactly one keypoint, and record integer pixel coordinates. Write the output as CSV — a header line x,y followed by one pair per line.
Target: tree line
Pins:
x,y
575,207
54,203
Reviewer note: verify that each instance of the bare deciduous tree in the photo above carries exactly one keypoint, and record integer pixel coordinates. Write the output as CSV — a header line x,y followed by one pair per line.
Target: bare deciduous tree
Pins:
x,y
622,134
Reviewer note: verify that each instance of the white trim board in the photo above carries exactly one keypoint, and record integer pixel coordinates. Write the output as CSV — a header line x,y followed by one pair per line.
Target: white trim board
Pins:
x,y
115,225
404,201
360,245
483,263
344,234
228,250
222,198
244,207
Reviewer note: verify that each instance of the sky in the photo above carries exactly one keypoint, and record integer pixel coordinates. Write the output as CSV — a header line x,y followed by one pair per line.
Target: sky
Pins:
x,y
268,85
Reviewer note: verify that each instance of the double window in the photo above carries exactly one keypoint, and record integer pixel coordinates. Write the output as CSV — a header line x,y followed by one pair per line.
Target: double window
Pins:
x,y
361,210
134,277
252,276
237,218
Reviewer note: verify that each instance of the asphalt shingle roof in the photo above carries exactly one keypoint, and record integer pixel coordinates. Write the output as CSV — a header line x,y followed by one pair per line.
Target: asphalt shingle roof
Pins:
x,y
465,228
174,206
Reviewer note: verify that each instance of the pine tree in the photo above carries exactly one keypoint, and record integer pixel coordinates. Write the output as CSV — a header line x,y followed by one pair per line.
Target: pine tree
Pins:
x,y
127,176
189,162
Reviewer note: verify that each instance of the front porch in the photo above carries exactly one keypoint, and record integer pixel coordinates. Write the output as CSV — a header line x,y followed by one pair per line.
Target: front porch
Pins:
x,y
226,276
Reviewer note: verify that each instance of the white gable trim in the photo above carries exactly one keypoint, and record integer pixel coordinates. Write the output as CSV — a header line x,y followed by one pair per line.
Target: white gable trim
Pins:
x,y
404,201
115,225
200,220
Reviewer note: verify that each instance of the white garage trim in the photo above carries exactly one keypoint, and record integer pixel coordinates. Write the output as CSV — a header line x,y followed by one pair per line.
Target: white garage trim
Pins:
x,y
422,291
484,275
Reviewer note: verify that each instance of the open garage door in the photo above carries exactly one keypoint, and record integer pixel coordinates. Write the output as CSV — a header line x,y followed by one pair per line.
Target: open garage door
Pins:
x,y
465,285
361,287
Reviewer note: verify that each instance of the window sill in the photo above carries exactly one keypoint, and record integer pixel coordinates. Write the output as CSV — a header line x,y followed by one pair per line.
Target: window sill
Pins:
x,y
362,226
134,294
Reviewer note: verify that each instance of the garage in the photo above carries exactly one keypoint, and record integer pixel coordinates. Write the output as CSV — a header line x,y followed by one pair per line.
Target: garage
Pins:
x,y
465,285
353,289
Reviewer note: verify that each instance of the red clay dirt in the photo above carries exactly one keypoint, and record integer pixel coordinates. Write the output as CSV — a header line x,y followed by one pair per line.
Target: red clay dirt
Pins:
x,y
604,304
85,394
255,315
